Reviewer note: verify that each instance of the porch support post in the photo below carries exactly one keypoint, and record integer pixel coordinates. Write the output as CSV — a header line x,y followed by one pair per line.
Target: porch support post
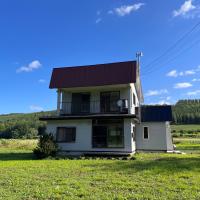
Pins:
x,y
58,101
129,99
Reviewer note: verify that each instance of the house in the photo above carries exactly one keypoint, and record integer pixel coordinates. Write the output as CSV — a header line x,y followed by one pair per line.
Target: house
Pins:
x,y
99,111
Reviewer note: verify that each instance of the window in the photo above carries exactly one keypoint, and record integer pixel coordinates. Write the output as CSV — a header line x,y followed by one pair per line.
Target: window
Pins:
x,y
80,103
65,134
109,101
107,134
134,99
146,132
114,137
134,133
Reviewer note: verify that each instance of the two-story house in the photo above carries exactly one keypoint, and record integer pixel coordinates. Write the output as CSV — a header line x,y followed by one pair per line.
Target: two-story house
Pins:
x,y
99,111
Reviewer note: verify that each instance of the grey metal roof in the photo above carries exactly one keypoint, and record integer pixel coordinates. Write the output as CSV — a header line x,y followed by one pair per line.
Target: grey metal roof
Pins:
x,y
156,113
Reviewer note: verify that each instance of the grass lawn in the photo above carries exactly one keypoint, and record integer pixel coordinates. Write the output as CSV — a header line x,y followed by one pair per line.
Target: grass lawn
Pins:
x,y
185,127
189,145
150,176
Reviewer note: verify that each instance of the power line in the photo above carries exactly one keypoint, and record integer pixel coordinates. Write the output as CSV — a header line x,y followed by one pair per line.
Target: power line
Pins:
x,y
173,46
195,42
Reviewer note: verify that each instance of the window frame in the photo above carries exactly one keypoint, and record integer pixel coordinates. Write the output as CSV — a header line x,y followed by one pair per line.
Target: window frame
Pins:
x,y
147,132
110,105
73,141
107,125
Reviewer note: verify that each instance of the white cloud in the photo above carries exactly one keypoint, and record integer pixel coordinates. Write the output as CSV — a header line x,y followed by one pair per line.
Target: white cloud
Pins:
x,y
41,81
156,92
172,73
195,79
189,72
98,20
163,102
194,93
182,85
126,9
36,108
175,73
98,12
185,8
30,67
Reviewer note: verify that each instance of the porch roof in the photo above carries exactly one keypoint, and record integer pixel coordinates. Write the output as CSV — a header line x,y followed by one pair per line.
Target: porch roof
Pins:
x,y
156,113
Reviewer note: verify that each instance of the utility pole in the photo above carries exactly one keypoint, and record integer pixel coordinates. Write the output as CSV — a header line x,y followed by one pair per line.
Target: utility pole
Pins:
x,y
139,54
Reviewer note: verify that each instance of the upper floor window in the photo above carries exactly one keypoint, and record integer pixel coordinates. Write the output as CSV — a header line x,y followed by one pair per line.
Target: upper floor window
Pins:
x,y
80,103
146,132
66,134
109,101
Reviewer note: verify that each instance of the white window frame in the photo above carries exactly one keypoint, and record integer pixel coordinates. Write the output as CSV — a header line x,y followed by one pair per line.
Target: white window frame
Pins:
x,y
148,132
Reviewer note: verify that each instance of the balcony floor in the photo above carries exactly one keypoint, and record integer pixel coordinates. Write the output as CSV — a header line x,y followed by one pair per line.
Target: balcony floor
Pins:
x,y
89,116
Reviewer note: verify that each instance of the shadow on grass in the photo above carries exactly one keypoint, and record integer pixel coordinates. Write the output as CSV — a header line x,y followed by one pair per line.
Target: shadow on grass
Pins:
x,y
160,165
16,156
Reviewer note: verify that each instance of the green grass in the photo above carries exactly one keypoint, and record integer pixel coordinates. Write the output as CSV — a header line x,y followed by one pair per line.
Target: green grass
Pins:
x,y
150,176
185,127
189,145
190,131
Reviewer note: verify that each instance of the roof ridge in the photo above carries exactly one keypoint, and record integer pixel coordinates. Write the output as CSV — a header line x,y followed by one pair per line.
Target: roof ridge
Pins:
x,y
95,65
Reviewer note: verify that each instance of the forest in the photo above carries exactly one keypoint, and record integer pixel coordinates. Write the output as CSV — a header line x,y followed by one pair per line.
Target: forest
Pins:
x,y
28,126
186,112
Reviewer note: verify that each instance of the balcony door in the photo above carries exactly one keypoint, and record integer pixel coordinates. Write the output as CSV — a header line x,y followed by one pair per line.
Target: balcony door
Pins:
x,y
80,103
108,102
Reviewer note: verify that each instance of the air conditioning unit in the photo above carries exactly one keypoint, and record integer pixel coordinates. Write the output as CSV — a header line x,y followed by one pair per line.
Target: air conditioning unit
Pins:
x,y
123,104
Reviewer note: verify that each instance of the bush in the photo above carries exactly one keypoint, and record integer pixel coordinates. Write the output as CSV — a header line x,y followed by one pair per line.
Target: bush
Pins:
x,y
46,146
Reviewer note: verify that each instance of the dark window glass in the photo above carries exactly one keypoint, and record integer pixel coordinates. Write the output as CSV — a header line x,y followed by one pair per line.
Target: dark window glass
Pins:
x,y
65,134
146,132
109,101
80,103
115,137
134,99
107,135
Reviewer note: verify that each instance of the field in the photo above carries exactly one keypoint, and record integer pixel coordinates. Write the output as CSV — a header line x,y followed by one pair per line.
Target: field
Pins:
x,y
149,176
189,130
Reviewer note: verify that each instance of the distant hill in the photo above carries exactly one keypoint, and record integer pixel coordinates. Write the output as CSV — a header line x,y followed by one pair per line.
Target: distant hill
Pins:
x,y
22,125
186,112
25,116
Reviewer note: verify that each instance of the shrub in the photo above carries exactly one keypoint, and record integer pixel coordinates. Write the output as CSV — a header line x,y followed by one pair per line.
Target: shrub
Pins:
x,y
46,146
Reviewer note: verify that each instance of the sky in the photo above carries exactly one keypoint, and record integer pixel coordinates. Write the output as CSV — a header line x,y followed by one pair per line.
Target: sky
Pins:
x,y
36,36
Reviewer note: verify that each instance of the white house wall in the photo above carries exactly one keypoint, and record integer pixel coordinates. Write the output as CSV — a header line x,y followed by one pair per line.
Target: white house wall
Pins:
x,y
159,137
83,141
169,137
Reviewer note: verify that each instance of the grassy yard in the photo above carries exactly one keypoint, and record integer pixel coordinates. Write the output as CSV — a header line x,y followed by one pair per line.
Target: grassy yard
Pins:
x,y
150,176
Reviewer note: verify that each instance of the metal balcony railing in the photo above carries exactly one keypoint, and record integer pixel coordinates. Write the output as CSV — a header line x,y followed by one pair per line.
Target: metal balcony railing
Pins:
x,y
92,107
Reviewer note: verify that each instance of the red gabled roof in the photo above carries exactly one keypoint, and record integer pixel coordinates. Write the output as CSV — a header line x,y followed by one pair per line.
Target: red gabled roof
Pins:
x,y
94,75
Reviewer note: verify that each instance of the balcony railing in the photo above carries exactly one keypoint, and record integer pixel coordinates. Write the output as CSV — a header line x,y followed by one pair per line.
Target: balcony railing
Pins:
x,y
92,107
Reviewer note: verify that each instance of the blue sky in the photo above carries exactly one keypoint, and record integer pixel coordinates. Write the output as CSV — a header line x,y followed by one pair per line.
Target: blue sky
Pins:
x,y
36,36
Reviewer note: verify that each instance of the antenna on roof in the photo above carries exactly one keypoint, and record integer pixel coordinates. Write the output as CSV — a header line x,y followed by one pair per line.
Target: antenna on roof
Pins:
x,y
139,54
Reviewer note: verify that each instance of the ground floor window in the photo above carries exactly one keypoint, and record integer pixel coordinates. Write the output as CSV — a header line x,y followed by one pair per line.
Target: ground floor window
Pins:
x,y
108,134
146,132
66,134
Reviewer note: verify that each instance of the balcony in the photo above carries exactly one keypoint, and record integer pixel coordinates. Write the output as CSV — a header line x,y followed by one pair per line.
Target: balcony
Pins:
x,y
94,107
